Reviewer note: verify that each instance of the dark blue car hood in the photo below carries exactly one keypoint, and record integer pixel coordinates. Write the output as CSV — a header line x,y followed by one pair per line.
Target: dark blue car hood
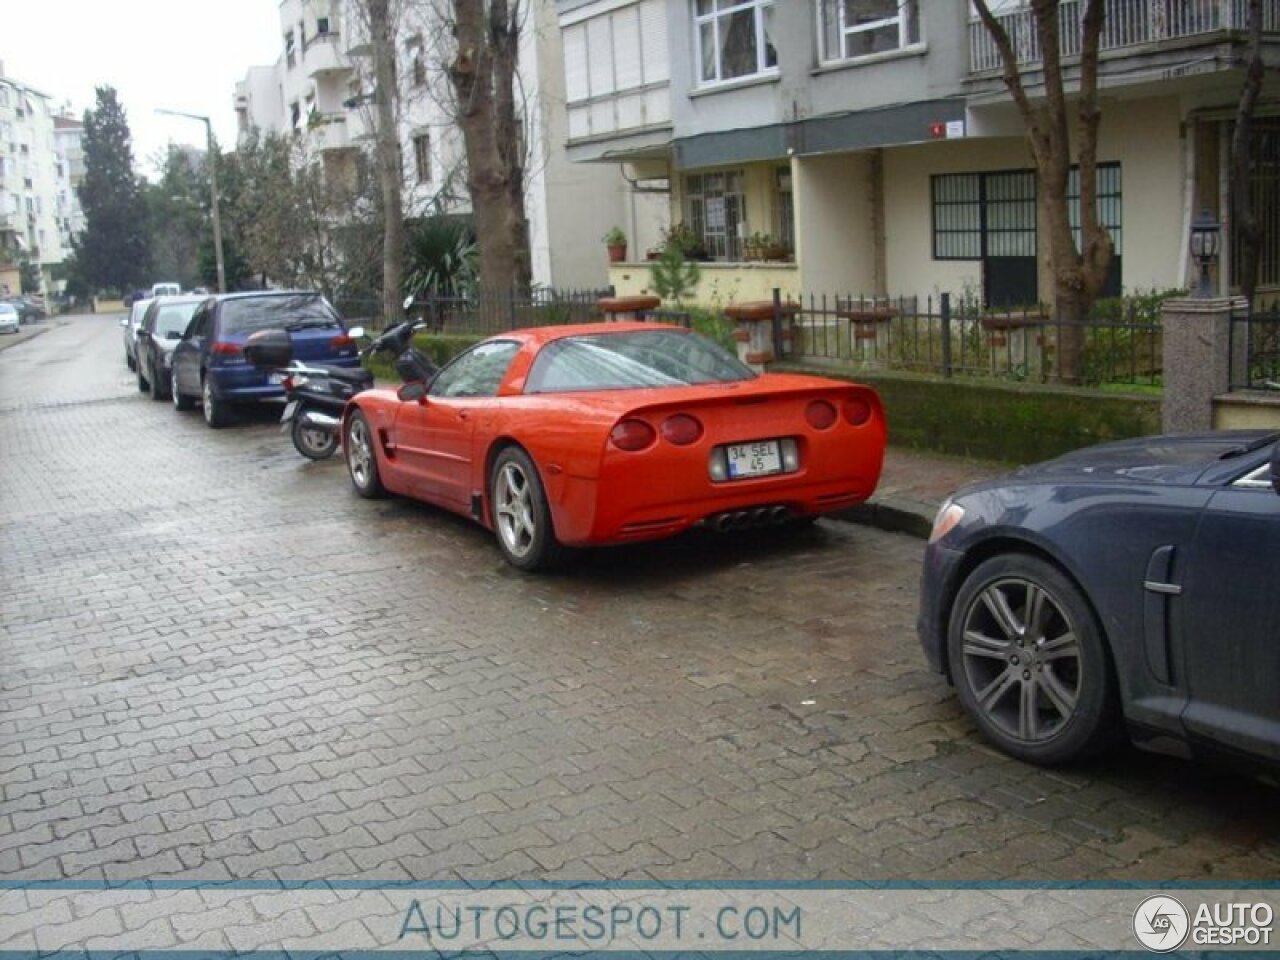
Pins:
x,y
1175,459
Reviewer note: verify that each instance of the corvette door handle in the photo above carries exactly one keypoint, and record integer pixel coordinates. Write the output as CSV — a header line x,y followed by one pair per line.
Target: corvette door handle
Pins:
x,y
463,415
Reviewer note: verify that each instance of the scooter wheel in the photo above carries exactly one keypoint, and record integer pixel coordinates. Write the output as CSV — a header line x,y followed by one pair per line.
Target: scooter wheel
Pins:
x,y
313,442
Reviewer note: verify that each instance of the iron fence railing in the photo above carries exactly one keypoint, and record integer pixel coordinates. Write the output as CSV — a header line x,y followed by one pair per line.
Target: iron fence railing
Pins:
x,y
1128,23
939,337
1255,348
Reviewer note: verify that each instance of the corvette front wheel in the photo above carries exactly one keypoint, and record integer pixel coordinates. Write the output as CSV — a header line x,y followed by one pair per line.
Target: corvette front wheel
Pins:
x,y
521,517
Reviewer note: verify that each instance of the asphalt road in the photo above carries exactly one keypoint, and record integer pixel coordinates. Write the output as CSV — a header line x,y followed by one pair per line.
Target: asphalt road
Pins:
x,y
217,662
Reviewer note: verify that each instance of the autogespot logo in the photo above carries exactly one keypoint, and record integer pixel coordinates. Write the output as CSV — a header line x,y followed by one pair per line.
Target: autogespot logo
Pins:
x,y
1161,923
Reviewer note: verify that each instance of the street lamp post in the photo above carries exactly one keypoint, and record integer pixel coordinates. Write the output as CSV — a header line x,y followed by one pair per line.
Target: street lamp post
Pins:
x,y
213,191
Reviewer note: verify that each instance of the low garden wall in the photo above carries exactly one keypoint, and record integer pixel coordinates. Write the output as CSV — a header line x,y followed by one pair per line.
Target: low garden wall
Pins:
x,y
1017,423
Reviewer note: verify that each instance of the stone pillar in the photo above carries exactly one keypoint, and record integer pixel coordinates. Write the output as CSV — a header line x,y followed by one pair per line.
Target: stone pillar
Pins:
x,y
753,331
1197,359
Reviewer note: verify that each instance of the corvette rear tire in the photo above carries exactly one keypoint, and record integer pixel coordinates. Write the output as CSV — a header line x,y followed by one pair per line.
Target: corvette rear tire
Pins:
x,y
362,457
521,517
1030,663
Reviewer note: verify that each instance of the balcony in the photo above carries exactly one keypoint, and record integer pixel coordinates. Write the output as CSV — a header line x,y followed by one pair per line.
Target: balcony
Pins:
x,y
1129,24
324,56
328,131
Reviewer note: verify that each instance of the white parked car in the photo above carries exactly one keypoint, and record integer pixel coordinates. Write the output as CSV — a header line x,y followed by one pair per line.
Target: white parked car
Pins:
x,y
130,325
9,318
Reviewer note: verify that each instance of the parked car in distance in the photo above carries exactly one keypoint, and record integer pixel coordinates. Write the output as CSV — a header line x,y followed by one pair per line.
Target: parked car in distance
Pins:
x,y
163,324
1129,587
612,433
209,364
9,318
29,309
130,331
166,289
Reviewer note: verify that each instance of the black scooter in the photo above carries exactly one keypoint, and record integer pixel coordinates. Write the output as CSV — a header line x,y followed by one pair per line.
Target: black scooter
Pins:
x,y
316,393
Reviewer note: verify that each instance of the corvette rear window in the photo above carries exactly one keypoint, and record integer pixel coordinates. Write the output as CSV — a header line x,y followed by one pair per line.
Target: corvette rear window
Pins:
x,y
632,360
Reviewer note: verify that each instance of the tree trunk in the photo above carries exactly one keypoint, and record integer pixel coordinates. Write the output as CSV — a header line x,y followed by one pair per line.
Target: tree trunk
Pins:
x,y
483,76
1078,275
390,173
1247,229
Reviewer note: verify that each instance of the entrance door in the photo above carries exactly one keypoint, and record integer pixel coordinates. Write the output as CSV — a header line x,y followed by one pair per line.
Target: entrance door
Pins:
x,y
1009,269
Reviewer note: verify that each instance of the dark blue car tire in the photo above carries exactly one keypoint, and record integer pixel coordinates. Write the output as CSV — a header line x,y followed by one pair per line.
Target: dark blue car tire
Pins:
x,y
1030,662
216,414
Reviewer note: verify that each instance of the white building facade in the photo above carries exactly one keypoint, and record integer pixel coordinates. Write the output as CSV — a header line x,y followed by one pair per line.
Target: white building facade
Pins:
x,y
319,91
39,164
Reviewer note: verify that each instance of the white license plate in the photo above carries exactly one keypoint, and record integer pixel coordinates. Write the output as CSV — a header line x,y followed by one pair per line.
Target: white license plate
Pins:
x,y
757,459
275,378
289,407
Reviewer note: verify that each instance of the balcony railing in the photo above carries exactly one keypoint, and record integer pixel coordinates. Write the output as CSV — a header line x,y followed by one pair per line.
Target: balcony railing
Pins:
x,y
1128,23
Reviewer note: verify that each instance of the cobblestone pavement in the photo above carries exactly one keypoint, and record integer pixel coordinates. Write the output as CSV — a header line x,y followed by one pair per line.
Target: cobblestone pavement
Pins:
x,y
217,662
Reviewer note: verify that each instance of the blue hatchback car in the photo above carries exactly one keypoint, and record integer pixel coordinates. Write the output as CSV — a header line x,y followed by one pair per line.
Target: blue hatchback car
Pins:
x,y
209,365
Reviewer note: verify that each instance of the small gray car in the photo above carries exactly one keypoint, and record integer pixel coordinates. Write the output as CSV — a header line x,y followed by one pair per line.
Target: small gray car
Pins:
x,y
163,323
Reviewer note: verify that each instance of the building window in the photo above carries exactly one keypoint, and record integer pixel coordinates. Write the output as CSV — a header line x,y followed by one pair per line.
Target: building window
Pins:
x,y
417,61
859,28
1264,185
422,156
295,115
322,26
981,215
715,208
734,38
1108,203
289,56
784,209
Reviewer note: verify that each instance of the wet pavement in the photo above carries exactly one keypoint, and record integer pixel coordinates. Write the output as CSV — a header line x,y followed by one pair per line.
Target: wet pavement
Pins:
x,y
217,662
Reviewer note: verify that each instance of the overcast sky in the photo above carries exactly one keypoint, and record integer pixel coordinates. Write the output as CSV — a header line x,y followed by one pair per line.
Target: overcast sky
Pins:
x,y
176,54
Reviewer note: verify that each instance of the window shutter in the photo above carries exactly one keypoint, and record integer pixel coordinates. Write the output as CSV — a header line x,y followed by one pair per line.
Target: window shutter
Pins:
x,y
600,63
575,63
653,42
626,49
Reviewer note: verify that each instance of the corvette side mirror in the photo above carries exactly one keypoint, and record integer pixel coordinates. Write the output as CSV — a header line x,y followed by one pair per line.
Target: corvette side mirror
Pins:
x,y
413,393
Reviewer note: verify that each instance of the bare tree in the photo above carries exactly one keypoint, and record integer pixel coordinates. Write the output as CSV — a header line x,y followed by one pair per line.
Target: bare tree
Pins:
x,y
1248,231
382,40
1078,274
483,74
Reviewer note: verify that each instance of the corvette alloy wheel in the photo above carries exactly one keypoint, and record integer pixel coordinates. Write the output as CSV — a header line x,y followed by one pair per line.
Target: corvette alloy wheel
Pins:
x,y
521,517
362,460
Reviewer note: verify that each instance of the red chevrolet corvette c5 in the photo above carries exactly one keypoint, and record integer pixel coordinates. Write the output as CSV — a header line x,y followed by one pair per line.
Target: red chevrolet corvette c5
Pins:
x,y
592,434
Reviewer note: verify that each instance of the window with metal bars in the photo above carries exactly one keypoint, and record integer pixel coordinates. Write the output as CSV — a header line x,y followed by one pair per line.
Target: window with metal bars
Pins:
x,y
715,207
1264,187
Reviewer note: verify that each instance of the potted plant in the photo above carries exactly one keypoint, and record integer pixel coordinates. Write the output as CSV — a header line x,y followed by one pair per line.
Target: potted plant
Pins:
x,y
755,245
684,238
616,241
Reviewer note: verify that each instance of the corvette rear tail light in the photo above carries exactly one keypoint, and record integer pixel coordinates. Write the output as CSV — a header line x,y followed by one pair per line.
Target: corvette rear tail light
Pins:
x,y
341,342
681,430
225,349
857,410
820,414
287,383
632,435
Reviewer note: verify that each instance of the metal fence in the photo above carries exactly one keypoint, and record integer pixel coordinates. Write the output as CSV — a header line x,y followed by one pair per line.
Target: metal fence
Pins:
x,y
939,337
1255,348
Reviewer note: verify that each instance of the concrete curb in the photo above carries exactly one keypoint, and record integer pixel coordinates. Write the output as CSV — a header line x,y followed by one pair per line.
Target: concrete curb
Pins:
x,y
895,514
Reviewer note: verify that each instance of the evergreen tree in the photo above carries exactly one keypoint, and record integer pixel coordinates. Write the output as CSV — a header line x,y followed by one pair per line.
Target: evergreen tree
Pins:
x,y
112,250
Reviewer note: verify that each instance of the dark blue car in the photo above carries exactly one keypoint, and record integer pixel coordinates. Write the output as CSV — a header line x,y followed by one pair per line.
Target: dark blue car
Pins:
x,y
1131,588
209,363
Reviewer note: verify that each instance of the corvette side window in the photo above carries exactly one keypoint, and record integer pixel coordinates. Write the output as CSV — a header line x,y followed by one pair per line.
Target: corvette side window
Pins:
x,y
476,373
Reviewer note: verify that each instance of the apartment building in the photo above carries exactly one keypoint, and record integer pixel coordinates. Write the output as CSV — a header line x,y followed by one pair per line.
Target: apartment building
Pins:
x,y
873,141
38,207
319,91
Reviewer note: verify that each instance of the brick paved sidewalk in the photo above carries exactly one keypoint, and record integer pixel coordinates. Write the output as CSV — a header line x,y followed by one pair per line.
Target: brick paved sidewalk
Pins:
x,y
914,483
